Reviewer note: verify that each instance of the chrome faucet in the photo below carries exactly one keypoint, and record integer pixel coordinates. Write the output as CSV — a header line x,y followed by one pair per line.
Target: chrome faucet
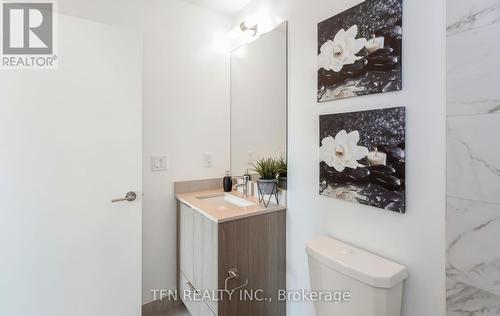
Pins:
x,y
246,180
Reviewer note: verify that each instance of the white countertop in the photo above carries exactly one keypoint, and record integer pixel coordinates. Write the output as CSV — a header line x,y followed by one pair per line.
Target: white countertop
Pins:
x,y
224,214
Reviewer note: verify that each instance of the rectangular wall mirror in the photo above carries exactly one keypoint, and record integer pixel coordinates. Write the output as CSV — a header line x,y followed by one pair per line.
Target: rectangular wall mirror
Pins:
x,y
259,100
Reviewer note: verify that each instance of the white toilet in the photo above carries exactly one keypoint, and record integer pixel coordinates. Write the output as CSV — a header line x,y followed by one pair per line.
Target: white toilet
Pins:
x,y
374,284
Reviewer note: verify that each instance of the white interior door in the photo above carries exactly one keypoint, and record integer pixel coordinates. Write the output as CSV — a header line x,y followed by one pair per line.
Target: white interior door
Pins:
x,y
70,141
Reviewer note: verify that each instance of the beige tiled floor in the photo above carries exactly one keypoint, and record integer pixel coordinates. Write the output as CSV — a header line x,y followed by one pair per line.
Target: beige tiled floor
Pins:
x,y
164,309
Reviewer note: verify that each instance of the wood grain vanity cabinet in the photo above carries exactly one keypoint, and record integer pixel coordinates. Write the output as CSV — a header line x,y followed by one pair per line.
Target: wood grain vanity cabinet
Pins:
x,y
207,251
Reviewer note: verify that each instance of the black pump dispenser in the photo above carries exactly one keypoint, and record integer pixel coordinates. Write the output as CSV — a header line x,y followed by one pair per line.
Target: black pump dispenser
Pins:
x,y
228,182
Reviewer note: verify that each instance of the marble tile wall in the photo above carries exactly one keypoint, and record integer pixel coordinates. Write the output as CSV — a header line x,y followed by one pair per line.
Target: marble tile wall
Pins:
x,y
473,214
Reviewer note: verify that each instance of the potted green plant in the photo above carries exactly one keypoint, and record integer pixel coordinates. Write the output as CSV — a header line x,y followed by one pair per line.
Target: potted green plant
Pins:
x,y
268,169
282,174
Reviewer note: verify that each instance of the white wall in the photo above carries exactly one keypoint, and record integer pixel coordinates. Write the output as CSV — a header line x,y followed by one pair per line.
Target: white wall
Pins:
x,y
416,239
123,13
186,113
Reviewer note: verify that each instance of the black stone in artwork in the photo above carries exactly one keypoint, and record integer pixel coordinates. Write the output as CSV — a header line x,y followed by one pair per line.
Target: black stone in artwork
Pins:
x,y
359,51
362,157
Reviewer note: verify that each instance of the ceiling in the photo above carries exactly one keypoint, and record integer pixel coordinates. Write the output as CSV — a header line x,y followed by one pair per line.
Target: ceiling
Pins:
x,y
227,7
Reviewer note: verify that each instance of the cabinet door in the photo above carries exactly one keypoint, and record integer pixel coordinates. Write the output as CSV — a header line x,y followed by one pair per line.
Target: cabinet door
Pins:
x,y
205,310
186,248
205,257
190,299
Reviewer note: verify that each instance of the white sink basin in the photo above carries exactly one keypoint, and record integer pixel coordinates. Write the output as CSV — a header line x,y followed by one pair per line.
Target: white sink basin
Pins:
x,y
226,200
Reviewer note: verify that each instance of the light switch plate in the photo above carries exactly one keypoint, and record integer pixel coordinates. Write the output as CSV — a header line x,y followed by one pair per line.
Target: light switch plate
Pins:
x,y
159,162
209,159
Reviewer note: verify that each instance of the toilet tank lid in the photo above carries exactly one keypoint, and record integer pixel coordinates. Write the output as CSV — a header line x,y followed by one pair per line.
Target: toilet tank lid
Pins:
x,y
356,263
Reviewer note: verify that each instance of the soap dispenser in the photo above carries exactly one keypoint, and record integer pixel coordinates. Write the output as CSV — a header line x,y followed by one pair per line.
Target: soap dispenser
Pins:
x,y
228,182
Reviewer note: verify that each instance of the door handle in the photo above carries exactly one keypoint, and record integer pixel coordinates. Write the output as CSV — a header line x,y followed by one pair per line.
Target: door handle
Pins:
x,y
130,196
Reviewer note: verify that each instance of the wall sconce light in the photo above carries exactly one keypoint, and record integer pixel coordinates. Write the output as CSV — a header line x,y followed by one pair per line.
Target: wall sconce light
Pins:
x,y
244,28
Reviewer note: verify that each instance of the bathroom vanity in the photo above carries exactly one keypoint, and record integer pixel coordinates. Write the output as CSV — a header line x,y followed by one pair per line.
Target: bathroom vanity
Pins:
x,y
230,244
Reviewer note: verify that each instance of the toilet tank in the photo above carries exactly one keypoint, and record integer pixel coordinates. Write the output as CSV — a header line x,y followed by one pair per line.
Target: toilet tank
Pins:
x,y
374,284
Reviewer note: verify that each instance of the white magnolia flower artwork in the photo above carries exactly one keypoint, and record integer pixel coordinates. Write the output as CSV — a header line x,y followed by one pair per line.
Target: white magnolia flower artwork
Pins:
x,y
342,50
362,157
359,51
342,151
